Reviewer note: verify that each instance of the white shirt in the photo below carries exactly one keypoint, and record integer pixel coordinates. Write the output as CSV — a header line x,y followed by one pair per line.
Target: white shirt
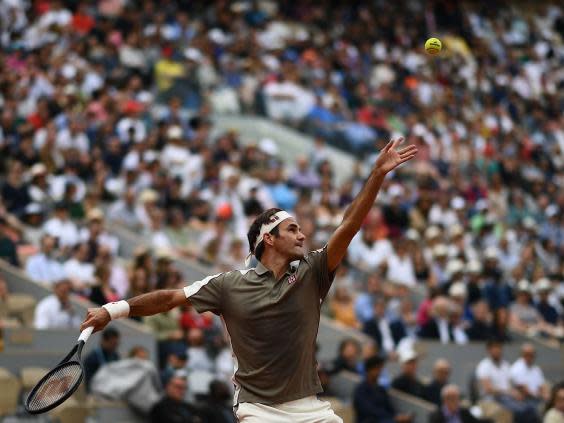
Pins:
x,y
401,270
104,239
498,375
531,377
82,271
387,340
65,230
444,335
49,314
43,269
364,255
66,140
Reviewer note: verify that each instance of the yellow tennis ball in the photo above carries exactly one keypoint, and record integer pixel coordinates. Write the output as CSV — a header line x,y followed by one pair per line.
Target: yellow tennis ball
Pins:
x,y
433,46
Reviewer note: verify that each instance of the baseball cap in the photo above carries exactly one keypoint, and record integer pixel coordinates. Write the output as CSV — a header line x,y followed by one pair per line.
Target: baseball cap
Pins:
x,y
406,355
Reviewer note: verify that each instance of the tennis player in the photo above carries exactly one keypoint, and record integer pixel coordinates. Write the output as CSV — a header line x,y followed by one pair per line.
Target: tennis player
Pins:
x,y
271,312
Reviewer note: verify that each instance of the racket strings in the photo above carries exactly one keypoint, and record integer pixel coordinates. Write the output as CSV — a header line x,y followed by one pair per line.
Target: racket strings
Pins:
x,y
55,386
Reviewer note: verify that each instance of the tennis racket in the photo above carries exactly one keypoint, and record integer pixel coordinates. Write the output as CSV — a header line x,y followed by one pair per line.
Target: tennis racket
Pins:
x,y
60,383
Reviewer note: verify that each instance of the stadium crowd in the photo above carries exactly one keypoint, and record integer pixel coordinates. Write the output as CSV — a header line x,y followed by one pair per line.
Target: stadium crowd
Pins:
x,y
107,118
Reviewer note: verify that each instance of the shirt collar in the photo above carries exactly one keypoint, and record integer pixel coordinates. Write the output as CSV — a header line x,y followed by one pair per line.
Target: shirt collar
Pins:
x,y
261,269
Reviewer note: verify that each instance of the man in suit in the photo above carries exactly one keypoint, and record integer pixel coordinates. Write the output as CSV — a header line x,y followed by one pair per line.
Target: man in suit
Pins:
x,y
438,327
451,411
371,402
441,374
386,334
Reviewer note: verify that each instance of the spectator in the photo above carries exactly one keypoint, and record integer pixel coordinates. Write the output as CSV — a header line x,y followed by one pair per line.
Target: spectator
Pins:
x,y
371,402
480,328
555,407
494,378
441,374
166,327
79,271
439,327
56,311
451,409
218,407
43,267
407,380
61,227
172,407
106,352
342,307
528,378
14,190
547,310
349,357
364,303
8,248
385,334
176,361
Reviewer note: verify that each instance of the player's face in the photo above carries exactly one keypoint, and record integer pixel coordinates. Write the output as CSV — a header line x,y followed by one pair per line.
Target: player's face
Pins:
x,y
290,241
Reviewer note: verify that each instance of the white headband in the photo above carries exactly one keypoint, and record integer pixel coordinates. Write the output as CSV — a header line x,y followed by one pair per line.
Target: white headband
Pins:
x,y
275,220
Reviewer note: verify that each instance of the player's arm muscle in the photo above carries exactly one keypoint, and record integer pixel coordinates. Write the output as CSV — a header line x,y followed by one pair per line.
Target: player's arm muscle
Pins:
x,y
156,302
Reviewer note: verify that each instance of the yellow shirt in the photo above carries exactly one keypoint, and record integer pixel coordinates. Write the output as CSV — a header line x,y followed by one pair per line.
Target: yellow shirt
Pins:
x,y
166,71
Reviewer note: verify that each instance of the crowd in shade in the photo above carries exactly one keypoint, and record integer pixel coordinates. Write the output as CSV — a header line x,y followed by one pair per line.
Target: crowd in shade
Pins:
x,y
107,117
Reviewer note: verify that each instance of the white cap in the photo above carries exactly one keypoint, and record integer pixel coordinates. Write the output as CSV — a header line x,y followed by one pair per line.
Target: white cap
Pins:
x,y
543,284
457,289
474,266
33,208
150,156
407,354
193,54
412,234
551,210
524,286
454,266
148,196
432,232
457,203
440,250
529,223
456,230
174,132
38,169
491,253
268,146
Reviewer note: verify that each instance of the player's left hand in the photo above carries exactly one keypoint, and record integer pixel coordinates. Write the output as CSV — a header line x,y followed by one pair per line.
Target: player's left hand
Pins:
x,y
390,158
97,317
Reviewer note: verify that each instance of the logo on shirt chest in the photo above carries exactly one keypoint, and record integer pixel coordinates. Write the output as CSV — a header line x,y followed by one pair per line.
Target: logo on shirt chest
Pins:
x,y
292,279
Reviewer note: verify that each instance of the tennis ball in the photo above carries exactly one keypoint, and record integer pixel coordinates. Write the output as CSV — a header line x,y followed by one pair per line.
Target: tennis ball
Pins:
x,y
433,46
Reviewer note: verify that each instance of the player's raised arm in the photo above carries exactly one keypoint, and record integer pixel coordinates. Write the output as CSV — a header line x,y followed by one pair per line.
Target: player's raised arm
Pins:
x,y
143,305
388,159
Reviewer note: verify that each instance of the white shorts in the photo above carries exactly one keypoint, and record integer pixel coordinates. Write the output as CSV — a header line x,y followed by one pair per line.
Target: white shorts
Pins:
x,y
304,410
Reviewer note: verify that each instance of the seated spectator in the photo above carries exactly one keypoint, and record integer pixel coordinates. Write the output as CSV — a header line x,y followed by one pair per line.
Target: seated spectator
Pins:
x,y
496,392
176,360
364,303
555,407
126,211
386,334
8,248
407,380
101,292
349,356
170,338
441,374
371,402
78,270
547,310
451,411
218,406
199,358
528,378
480,328
341,305
56,311
105,353
523,317
172,408
61,227
438,327
43,267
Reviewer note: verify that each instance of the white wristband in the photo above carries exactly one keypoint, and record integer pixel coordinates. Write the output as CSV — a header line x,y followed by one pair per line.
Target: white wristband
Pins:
x,y
118,309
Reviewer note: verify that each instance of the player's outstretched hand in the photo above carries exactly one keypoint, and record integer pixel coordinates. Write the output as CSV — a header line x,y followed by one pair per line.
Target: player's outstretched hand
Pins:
x,y
97,317
390,158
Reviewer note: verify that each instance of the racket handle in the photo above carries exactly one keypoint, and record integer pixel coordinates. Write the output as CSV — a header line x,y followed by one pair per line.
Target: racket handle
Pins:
x,y
85,334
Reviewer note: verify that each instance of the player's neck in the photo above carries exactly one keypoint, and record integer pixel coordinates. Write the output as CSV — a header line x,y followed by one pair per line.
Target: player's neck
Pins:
x,y
275,262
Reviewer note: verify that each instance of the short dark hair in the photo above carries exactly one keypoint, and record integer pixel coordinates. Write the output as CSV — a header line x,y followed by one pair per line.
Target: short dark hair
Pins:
x,y
254,231
110,333
374,361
